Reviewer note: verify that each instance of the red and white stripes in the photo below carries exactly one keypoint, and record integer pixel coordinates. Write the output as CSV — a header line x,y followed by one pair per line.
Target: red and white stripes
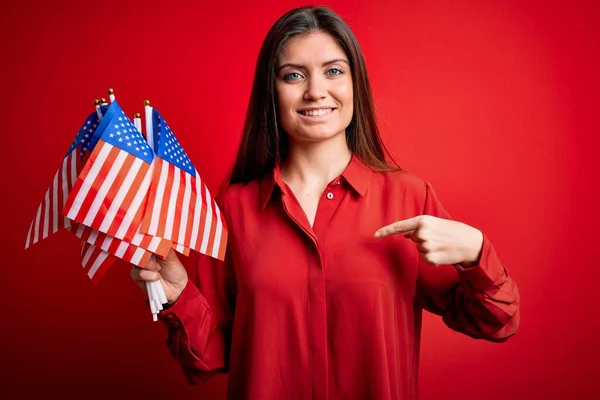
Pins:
x,y
111,181
95,261
181,209
49,216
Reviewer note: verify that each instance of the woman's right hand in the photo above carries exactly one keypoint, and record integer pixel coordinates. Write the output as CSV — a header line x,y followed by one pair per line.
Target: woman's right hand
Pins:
x,y
170,272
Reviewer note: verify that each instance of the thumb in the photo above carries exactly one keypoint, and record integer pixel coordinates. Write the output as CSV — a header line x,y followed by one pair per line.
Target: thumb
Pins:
x,y
403,226
152,264
171,256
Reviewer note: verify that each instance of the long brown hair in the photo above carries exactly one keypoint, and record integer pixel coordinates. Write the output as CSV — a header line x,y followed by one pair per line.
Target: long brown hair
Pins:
x,y
264,143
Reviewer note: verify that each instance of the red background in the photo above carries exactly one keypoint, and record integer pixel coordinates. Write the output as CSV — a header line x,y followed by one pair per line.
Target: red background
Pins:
x,y
496,105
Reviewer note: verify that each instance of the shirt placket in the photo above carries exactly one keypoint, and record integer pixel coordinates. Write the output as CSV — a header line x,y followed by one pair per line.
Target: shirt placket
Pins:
x,y
328,204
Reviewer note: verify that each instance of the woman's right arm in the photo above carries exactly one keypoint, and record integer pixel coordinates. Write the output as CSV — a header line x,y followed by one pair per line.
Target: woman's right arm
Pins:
x,y
199,316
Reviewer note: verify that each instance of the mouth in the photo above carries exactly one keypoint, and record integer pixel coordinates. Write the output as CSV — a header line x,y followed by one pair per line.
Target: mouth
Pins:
x,y
316,112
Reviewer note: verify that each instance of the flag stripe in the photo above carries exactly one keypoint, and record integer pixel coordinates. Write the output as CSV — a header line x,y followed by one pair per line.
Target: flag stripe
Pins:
x,y
64,188
166,200
28,240
193,210
120,190
137,256
217,237
100,257
121,249
198,208
207,222
46,211
83,184
172,204
115,160
179,247
70,181
184,214
36,230
74,168
100,266
178,211
163,174
224,239
134,215
213,226
89,250
55,202
203,216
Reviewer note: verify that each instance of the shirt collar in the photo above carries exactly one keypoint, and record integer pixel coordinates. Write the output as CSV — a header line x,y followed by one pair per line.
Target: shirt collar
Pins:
x,y
356,174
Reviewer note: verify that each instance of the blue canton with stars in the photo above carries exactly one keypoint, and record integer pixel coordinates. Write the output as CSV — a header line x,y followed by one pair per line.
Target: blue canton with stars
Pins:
x,y
84,136
118,130
167,147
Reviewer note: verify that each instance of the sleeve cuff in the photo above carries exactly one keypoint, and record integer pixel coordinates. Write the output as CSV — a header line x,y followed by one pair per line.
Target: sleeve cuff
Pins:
x,y
489,273
185,309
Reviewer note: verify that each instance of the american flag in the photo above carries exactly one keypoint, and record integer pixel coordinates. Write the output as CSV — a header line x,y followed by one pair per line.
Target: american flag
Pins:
x,y
110,193
180,207
49,217
95,261
138,252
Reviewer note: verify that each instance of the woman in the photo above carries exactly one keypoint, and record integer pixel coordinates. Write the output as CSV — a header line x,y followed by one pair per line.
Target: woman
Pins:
x,y
332,253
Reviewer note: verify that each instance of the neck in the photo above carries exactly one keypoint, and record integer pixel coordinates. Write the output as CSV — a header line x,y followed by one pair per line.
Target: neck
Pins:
x,y
316,164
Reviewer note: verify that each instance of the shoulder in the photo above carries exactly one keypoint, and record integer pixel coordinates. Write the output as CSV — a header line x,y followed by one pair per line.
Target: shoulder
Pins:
x,y
408,189
233,195
411,190
400,181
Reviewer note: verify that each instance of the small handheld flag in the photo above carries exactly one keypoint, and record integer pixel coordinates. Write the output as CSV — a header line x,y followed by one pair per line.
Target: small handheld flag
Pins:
x,y
49,217
180,207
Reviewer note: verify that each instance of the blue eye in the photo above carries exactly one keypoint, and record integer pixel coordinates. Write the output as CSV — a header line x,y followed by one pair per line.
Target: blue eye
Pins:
x,y
335,71
292,76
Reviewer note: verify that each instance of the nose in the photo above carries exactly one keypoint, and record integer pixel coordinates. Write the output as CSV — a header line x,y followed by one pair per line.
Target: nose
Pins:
x,y
316,88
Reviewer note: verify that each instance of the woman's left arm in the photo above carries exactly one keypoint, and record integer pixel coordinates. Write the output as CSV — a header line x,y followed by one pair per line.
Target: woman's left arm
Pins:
x,y
460,276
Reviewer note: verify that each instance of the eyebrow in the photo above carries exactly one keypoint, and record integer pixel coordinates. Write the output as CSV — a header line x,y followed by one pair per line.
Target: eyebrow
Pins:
x,y
322,65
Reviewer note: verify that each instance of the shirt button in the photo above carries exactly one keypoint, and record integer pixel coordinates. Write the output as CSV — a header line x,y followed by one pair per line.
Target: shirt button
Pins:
x,y
330,195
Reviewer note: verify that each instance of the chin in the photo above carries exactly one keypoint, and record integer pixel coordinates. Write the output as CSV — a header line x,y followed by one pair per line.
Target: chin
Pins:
x,y
317,135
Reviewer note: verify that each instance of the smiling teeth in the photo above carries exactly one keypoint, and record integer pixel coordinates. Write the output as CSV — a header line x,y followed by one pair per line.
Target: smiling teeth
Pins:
x,y
313,113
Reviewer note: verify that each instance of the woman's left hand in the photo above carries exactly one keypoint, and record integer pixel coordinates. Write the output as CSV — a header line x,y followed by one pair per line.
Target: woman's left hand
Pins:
x,y
440,241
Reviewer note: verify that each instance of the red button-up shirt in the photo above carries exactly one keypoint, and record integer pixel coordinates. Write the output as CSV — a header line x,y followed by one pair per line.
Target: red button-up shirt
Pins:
x,y
329,311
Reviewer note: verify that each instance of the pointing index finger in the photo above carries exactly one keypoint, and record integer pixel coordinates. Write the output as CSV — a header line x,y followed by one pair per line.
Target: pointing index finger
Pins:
x,y
405,225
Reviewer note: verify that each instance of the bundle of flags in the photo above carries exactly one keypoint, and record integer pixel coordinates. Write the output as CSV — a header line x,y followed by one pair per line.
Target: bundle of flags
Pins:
x,y
128,196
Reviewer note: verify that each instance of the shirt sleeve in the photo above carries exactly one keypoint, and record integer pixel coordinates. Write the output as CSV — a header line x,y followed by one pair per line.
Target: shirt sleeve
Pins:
x,y
481,301
199,322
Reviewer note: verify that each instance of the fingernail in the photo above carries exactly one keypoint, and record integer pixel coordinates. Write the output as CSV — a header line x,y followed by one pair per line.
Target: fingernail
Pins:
x,y
377,234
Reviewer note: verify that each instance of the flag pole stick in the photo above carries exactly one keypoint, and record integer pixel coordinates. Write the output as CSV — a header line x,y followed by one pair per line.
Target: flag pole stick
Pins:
x,y
153,298
158,290
137,122
97,106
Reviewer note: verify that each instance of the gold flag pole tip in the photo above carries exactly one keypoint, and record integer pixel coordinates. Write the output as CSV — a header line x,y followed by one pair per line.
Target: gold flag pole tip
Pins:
x,y
146,102
96,102
103,100
111,91
137,115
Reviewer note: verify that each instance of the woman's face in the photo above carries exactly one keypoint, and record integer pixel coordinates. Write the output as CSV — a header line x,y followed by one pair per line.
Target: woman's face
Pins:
x,y
314,88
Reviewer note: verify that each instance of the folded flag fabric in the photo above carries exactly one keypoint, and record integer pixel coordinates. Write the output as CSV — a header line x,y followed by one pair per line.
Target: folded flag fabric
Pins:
x,y
180,207
49,217
95,261
134,254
